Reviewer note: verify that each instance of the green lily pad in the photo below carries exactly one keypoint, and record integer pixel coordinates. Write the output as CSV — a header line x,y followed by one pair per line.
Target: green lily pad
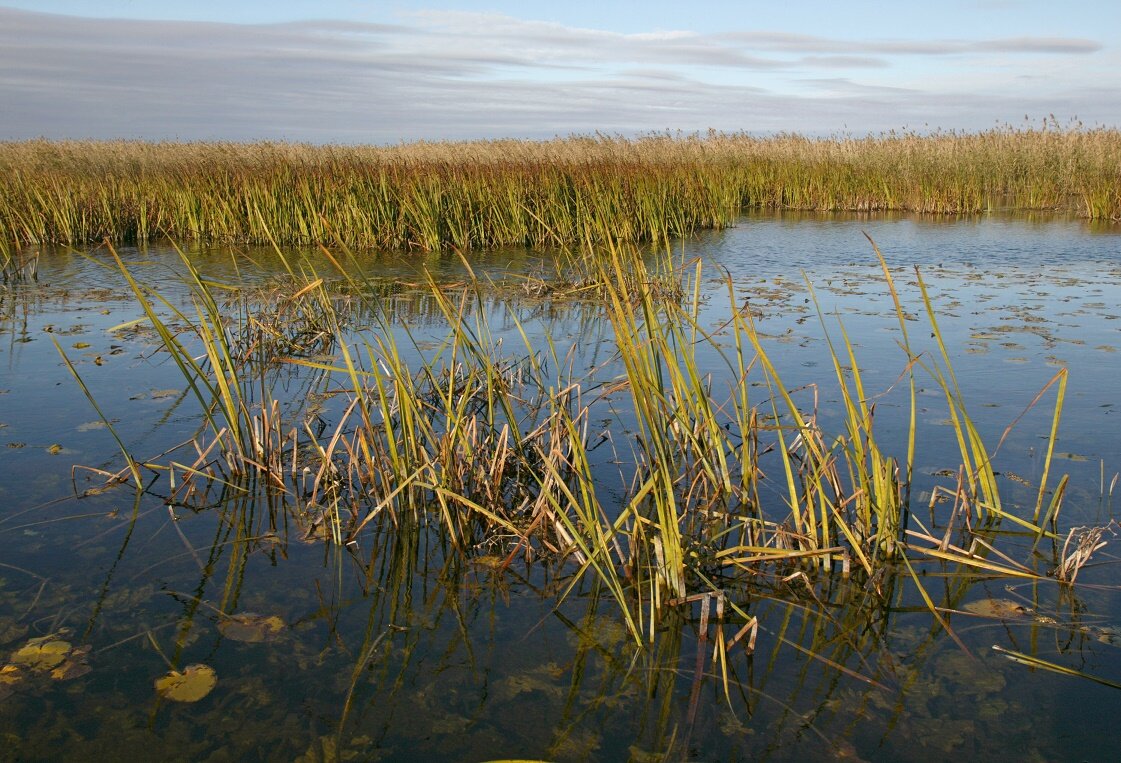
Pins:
x,y
194,683
251,628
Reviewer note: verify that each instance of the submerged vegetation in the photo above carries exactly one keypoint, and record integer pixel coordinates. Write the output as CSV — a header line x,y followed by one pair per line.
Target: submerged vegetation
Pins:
x,y
434,196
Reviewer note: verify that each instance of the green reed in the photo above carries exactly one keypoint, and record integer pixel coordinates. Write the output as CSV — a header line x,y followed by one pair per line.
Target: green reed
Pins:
x,y
490,447
434,196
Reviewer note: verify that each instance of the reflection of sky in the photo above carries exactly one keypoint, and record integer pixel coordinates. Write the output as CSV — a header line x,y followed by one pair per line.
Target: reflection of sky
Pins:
x,y
1015,300
982,275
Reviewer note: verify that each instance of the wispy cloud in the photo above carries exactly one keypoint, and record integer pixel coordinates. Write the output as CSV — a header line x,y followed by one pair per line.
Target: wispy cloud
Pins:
x,y
460,75
806,44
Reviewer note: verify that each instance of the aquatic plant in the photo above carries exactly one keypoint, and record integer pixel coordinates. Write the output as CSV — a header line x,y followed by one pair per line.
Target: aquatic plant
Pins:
x,y
434,196
491,448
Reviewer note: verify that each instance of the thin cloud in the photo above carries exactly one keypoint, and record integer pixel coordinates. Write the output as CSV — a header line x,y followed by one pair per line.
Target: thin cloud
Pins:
x,y
1039,45
806,44
460,75
846,86
843,62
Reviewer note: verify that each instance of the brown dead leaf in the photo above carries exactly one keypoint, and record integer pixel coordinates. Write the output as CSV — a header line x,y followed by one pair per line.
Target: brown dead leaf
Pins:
x,y
251,628
1001,609
74,666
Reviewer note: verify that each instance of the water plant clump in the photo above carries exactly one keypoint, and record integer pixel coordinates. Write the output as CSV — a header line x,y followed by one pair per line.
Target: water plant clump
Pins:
x,y
461,196
606,515
492,447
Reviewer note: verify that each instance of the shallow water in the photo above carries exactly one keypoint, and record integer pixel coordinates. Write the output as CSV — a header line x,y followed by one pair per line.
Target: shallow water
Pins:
x,y
392,649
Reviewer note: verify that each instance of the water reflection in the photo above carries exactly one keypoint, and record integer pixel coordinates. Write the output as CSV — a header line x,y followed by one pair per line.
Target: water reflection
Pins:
x,y
392,647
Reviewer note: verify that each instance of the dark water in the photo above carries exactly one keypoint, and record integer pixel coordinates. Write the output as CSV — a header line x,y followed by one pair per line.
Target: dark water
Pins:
x,y
393,649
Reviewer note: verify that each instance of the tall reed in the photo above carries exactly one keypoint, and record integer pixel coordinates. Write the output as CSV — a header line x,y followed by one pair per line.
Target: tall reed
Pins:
x,y
433,196
491,448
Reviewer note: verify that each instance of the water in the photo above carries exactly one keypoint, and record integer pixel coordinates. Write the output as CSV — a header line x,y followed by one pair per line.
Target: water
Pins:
x,y
394,649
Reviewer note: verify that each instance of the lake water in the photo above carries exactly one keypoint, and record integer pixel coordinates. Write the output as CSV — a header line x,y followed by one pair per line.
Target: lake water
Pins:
x,y
392,648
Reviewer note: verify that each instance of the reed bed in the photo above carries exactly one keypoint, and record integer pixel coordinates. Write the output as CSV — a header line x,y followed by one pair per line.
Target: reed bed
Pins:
x,y
490,447
434,196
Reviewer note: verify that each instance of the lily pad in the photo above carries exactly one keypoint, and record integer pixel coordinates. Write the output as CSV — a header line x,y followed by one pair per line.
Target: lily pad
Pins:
x,y
251,628
1002,609
194,683
42,653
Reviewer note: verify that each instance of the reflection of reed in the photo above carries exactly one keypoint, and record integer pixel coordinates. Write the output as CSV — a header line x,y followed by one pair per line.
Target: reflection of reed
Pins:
x,y
20,266
20,294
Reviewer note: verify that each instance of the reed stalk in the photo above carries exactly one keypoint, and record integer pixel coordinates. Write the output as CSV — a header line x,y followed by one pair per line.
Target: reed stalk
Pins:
x,y
492,450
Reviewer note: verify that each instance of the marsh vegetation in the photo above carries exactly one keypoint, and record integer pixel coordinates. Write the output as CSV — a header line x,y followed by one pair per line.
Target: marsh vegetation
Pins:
x,y
608,501
433,196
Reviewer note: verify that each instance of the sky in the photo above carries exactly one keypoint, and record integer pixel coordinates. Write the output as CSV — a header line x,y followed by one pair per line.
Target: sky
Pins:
x,y
385,72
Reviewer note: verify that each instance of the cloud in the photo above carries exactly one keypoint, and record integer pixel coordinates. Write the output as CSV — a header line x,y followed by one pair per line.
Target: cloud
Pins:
x,y
1039,45
845,86
464,75
807,44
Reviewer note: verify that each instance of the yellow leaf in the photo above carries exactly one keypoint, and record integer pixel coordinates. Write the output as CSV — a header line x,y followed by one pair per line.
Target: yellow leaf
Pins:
x,y
10,675
41,653
194,683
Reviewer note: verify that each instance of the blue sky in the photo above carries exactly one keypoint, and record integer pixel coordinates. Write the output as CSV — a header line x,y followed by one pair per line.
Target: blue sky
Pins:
x,y
360,71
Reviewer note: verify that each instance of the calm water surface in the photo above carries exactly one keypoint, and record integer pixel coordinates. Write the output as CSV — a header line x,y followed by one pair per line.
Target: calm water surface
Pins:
x,y
393,650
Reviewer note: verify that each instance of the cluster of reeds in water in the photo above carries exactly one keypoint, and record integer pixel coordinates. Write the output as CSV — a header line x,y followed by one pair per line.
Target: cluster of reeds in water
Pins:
x,y
491,449
435,196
